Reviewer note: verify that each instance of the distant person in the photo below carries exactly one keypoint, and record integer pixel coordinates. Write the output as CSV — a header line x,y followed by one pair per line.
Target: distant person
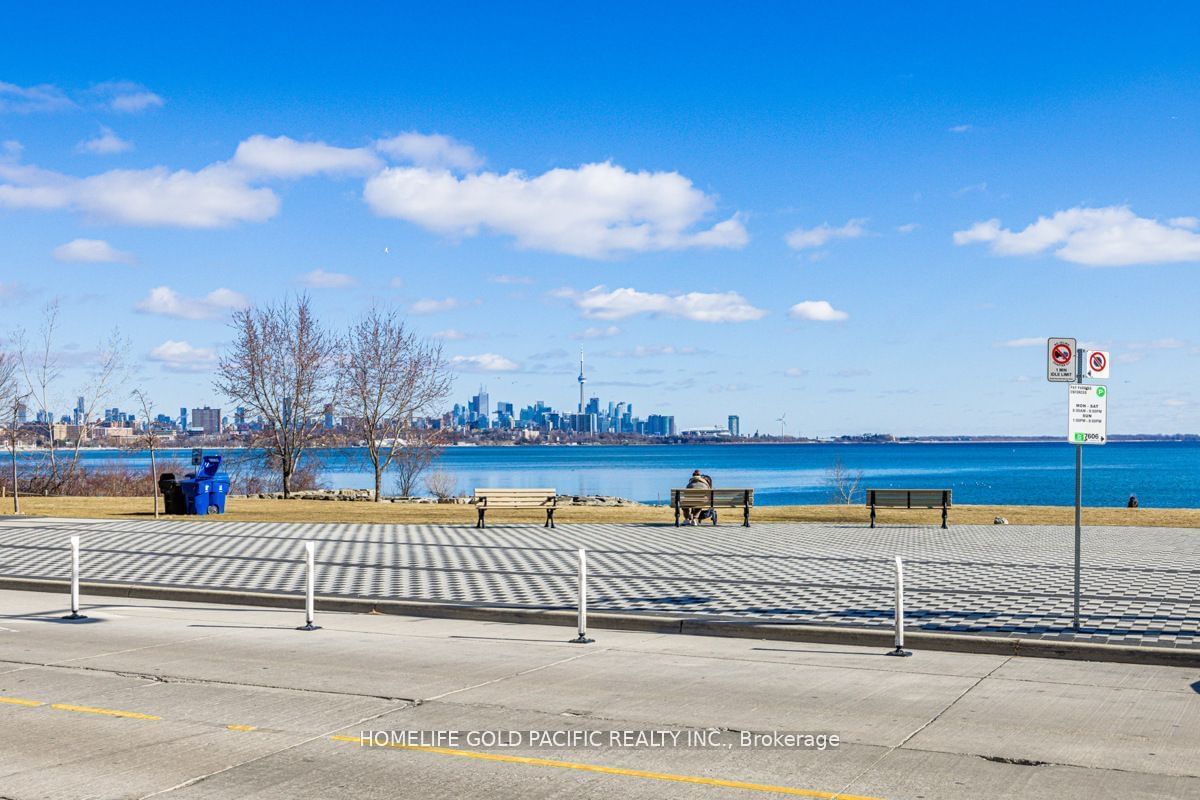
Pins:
x,y
697,481
1133,503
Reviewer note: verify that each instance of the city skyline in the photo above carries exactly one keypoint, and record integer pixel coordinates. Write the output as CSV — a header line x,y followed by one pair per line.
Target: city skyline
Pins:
x,y
715,216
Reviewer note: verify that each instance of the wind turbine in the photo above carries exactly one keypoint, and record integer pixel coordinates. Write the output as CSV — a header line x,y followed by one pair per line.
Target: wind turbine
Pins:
x,y
782,425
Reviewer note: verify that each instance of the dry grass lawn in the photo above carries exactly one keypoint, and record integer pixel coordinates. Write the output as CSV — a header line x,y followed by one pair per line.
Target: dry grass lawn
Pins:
x,y
255,510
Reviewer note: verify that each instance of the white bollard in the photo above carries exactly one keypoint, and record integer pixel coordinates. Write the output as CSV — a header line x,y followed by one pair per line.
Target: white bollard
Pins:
x,y
899,651
310,582
75,581
582,638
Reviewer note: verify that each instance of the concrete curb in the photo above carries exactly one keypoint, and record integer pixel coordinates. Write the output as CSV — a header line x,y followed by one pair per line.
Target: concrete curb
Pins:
x,y
644,623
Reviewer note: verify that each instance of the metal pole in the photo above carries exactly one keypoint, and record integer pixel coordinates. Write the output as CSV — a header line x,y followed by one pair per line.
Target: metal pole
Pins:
x,y
74,581
899,651
309,588
582,638
1080,355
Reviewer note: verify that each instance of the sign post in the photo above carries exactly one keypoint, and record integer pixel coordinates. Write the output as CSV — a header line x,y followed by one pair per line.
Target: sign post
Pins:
x,y
1087,423
197,456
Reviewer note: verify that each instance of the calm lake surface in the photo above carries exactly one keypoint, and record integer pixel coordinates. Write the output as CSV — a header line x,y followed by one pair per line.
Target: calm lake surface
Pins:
x,y
1162,474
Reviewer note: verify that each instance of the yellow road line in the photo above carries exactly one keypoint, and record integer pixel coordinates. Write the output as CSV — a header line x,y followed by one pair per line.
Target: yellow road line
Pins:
x,y
634,773
16,701
108,712
242,727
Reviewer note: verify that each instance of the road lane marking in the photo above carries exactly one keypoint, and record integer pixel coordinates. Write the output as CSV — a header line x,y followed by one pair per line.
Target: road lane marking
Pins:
x,y
633,773
16,701
242,727
107,712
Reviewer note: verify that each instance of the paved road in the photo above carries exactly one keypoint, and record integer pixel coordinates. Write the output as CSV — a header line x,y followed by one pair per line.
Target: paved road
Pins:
x,y
158,699
1140,584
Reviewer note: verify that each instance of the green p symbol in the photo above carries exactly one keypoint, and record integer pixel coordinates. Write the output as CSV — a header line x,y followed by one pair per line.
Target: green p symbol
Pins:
x,y
1100,390
1080,437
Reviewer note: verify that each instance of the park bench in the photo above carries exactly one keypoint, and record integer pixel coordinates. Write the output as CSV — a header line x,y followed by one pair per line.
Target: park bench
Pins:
x,y
506,499
909,498
711,500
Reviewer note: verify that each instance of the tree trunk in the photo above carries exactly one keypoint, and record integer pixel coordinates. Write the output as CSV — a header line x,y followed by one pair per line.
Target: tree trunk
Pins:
x,y
16,493
154,479
287,482
378,484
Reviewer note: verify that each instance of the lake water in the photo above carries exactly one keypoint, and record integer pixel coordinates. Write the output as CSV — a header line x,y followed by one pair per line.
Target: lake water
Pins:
x,y
1162,474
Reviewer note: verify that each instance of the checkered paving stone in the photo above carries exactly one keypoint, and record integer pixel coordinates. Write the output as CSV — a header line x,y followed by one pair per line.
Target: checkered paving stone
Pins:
x,y
1139,584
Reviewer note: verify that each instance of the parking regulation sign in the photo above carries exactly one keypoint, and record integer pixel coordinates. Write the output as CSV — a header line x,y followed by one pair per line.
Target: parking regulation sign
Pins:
x,y
1097,365
1060,360
1087,414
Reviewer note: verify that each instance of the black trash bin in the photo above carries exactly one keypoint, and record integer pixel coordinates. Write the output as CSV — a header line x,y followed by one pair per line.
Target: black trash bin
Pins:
x,y
172,496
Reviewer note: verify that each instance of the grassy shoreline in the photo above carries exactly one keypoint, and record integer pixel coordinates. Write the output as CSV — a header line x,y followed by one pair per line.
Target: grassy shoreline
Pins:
x,y
262,510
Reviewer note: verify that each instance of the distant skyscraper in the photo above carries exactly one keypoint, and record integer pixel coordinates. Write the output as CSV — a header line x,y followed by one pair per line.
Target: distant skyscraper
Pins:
x,y
183,419
582,380
735,425
209,419
328,416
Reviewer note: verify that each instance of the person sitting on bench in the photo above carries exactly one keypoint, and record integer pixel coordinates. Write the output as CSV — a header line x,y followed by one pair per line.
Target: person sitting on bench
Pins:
x,y
697,481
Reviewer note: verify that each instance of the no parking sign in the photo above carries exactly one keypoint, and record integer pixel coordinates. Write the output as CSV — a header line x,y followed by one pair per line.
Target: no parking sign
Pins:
x,y
1097,364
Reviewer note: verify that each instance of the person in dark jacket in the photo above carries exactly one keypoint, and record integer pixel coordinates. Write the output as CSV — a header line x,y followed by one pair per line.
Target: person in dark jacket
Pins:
x,y
697,481
1133,503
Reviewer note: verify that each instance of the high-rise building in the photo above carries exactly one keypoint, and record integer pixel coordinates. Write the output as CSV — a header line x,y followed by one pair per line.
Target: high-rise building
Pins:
x,y
208,419
239,416
183,419
735,425
80,411
582,380
328,421
660,425
22,413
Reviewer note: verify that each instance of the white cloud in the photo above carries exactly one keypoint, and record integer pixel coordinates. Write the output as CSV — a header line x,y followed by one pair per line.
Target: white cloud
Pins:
x,y
598,333
974,188
795,372
805,238
519,279
596,210
91,250
598,303
284,157
907,227
431,306
433,151
396,283
450,335
104,144
485,362
167,302
1028,341
33,99
180,356
321,279
817,311
649,350
959,128
1096,237
126,96
214,196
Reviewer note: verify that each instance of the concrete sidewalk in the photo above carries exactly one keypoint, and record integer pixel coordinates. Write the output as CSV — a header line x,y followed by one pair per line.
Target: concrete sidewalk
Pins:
x,y
149,698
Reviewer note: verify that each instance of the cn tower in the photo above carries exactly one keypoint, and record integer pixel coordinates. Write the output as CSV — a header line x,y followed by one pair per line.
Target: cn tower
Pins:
x,y
582,380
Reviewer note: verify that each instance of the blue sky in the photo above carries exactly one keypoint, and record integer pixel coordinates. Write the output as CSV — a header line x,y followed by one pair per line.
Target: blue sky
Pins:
x,y
866,216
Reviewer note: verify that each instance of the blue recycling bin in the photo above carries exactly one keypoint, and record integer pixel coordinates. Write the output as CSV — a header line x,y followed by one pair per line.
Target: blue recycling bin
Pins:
x,y
196,493
218,493
204,491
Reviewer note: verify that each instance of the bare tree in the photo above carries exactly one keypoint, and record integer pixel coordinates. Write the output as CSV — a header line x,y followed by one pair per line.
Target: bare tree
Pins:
x,y
389,376
414,456
280,365
442,485
148,440
842,483
10,405
41,371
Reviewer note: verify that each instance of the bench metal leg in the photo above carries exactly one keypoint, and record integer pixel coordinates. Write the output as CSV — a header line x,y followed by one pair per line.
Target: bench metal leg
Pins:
x,y
746,517
872,516
676,516
549,518
481,522
945,513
